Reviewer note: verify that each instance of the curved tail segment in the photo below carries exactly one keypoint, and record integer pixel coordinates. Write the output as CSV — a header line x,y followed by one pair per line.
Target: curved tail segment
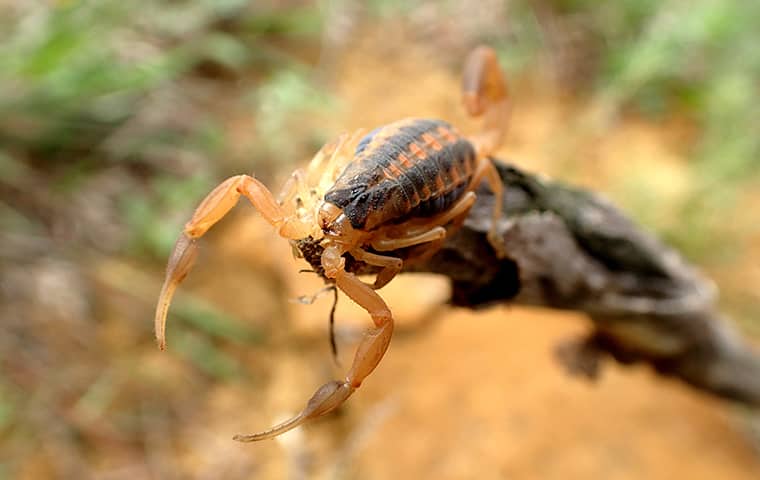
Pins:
x,y
485,94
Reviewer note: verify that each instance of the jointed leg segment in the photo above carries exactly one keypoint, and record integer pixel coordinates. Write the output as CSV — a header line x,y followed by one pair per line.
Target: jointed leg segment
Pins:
x,y
485,94
389,244
368,355
375,342
391,265
487,170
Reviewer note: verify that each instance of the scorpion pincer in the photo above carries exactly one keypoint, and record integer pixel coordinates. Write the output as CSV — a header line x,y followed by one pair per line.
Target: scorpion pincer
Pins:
x,y
377,201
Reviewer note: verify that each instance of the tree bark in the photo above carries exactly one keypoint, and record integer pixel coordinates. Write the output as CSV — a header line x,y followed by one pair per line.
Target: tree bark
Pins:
x,y
570,249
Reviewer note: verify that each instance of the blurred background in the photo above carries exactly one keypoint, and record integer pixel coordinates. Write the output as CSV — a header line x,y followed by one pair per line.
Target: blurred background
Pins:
x,y
116,118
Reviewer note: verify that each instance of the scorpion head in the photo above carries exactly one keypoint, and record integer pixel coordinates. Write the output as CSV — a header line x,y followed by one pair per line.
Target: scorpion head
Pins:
x,y
332,220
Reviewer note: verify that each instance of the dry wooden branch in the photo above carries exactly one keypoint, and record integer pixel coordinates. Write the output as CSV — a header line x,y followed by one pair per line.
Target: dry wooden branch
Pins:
x,y
572,250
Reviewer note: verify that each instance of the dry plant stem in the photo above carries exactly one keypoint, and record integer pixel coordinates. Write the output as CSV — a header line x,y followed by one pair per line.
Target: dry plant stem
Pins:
x,y
570,249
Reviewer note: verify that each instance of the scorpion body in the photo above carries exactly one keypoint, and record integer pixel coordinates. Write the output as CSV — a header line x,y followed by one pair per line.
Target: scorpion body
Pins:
x,y
411,168
368,204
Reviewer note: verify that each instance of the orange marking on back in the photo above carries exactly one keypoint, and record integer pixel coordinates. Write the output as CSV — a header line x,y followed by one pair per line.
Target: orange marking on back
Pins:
x,y
395,171
439,184
384,134
446,134
404,161
415,150
426,192
432,142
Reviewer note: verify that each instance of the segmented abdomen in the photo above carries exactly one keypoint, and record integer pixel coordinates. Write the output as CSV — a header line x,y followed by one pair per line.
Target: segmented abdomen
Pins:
x,y
410,168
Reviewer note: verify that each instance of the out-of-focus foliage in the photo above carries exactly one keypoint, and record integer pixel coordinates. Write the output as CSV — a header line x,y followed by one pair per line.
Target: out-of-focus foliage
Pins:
x,y
697,56
699,59
89,86
696,59
94,86
113,122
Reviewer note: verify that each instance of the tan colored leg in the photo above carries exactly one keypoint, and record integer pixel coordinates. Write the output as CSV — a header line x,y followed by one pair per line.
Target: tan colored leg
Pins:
x,y
484,93
458,210
212,209
431,232
487,169
411,230
494,181
294,184
453,219
368,355
390,244
391,266
225,196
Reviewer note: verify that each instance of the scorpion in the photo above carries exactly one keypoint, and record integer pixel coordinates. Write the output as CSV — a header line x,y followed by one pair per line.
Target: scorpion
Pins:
x,y
368,203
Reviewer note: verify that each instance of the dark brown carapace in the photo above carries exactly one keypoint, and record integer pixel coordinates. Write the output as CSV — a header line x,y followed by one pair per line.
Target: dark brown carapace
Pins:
x,y
360,202
411,168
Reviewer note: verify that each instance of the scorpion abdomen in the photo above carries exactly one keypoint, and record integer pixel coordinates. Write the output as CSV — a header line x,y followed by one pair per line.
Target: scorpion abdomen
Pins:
x,y
407,169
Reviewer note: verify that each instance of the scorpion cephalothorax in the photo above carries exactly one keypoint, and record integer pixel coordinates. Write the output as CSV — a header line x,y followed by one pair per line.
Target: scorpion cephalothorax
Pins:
x,y
368,204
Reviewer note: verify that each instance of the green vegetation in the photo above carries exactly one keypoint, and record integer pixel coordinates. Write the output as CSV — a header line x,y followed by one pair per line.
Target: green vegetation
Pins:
x,y
698,59
91,87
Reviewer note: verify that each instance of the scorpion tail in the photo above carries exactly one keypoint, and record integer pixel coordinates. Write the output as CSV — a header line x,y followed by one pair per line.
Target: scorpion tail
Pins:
x,y
485,93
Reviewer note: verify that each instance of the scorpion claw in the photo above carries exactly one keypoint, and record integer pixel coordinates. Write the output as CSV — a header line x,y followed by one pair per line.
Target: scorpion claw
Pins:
x,y
181,261
326,399
278,429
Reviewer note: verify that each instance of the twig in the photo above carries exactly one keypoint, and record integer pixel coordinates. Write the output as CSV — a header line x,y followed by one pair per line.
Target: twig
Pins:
x,y
570,249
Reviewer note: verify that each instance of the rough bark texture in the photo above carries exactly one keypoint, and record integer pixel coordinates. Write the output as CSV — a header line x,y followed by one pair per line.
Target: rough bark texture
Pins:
x,y
572,250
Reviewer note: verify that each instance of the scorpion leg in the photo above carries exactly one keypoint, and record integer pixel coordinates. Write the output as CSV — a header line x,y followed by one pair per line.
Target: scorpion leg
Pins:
x,y
292,186
368,355
484,93
456,215
487,169
456,212
212,209
391,266
453,219
389,244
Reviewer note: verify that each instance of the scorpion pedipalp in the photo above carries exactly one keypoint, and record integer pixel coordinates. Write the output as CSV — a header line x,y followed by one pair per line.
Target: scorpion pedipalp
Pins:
x,y
181,261
212,209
